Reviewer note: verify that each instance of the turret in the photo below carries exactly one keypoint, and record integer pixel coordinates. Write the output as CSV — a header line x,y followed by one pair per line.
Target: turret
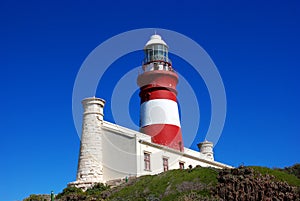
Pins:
x,y
90,167
206,148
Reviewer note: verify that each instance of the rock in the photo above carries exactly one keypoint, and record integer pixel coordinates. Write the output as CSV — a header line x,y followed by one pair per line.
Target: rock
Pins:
x,y
241,184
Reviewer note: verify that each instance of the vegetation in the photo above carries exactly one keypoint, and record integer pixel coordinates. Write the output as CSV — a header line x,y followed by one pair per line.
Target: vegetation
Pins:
x,y
170,185
279,175
34,197
70,190
295,170
97,189
73,193
190,184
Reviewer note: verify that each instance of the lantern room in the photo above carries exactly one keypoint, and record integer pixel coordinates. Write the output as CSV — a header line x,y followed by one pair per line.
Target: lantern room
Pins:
x,y
156,55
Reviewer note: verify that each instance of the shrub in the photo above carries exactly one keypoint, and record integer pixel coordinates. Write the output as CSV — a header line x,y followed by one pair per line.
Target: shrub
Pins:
x,y
70,190
97,189
34,197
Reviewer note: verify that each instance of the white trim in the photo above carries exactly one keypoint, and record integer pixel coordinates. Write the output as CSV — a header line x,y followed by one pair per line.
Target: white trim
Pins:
x,y
159,111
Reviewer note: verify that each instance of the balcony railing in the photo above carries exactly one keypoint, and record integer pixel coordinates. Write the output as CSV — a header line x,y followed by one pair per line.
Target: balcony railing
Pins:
x,y
153,67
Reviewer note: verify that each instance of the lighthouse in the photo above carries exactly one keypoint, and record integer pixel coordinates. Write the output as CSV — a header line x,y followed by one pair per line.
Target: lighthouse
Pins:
x,y
159,116
111,154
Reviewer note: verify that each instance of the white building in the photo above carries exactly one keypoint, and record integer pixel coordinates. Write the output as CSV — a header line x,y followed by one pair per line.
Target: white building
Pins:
x,y
111,152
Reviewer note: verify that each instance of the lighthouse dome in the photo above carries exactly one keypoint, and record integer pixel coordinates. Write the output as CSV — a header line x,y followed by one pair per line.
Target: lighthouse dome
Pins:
x,y
155,39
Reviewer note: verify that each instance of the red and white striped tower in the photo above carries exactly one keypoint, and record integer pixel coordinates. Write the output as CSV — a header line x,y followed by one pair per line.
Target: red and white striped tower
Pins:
x,y
159,116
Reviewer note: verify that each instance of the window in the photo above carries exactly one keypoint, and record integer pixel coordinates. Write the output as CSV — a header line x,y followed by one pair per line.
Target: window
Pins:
x,y
181,165
165,164
147,161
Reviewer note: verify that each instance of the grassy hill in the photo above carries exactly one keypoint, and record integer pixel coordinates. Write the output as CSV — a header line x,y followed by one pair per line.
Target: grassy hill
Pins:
x,y
170,185
249,183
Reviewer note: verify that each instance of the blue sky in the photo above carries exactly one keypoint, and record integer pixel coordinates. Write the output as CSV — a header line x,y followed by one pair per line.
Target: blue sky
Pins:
x,y
255,46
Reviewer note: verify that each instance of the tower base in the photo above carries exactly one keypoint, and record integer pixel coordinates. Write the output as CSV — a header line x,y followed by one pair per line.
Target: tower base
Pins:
x,y
165,134
84,185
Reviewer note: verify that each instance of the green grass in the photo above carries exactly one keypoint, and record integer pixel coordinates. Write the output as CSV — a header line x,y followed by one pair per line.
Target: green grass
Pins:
x,y
194,184
279,175
165,184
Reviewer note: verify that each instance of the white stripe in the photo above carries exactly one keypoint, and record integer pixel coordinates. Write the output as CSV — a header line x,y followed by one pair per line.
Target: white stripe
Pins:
x,y
159,111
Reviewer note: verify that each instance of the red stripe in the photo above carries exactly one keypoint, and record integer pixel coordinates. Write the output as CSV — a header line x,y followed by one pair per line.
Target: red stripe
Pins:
x,y
161,78
165,134
147,95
